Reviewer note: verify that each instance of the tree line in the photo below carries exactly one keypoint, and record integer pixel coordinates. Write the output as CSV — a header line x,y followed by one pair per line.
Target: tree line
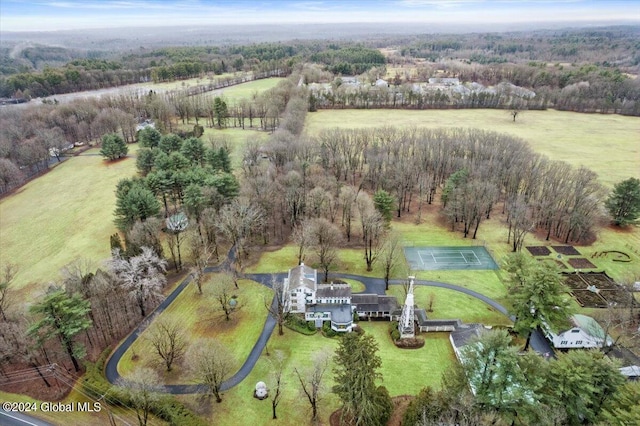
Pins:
x,y
474,172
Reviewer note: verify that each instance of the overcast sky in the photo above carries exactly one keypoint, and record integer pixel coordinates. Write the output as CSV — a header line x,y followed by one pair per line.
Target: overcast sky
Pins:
x,y
45,15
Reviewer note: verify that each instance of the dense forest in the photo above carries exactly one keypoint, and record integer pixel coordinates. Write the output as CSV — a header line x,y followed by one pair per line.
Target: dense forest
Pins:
x,y
579,70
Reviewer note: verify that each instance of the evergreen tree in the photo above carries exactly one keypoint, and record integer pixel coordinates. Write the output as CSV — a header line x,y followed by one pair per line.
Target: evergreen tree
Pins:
x,y
537,294
384,202
134,202
61,316
624,202
356,371
113,147
149,137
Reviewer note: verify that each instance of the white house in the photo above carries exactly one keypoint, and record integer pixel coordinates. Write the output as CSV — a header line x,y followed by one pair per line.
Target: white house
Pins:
x,y
318,302
300,287
585,333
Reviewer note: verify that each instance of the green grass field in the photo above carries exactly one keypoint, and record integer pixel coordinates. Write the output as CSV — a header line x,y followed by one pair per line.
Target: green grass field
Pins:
x,y
404,372
236,93
64,215
202,317
606,144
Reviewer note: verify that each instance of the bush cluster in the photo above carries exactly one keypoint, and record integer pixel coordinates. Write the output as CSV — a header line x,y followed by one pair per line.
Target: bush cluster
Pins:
x,y
298,324
327,331
393,331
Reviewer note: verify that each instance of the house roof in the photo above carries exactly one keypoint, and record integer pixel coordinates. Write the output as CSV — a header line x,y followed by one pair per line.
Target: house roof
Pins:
x,y
333,290
302,276
588,325
631,371
339,313
374,303
464,333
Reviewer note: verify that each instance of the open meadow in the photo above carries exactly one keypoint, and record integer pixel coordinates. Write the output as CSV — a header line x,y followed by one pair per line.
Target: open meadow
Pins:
x,y
605,143
60,217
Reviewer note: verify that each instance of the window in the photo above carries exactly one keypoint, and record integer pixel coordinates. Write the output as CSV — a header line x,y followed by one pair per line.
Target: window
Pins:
x,y
564,342
579,342
575,331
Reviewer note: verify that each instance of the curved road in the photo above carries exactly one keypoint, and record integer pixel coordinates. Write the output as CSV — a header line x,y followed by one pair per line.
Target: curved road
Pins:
x,y
372,285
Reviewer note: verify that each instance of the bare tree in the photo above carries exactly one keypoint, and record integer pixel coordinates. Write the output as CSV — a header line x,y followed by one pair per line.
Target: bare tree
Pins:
x,y
222,289
143,390
348,196
326,238
167,336
200,257
392,256
373,230
311,381
142,276
276,377
302,237
175,226
146,234
210,363
9,272
277,307
519,222
237,221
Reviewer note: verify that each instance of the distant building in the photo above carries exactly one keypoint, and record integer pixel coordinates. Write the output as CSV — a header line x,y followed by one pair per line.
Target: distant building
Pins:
x,y
444,81
584,334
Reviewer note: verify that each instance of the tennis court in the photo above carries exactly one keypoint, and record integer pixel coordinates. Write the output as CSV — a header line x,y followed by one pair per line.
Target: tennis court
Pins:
x,y
433,258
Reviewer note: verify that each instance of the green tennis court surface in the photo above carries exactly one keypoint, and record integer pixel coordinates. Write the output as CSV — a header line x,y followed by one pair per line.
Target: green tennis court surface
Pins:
x,y
432,258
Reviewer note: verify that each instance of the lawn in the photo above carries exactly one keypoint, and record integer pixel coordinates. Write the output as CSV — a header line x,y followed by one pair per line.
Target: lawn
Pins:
x,y
202,317
64,215
233,94
349,261
404,371
578,139
239,406
450,304
237,138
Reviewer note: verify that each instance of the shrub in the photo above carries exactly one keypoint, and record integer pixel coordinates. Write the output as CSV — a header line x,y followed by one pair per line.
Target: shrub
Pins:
x,y
311,325
393,330
327,331
299,325
395,334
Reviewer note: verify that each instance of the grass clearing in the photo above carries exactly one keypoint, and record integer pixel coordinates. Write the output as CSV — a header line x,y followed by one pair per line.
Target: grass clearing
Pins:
x,y
350,261
578,139
201,317
406,371
239,406
64,215
450,304
234,94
